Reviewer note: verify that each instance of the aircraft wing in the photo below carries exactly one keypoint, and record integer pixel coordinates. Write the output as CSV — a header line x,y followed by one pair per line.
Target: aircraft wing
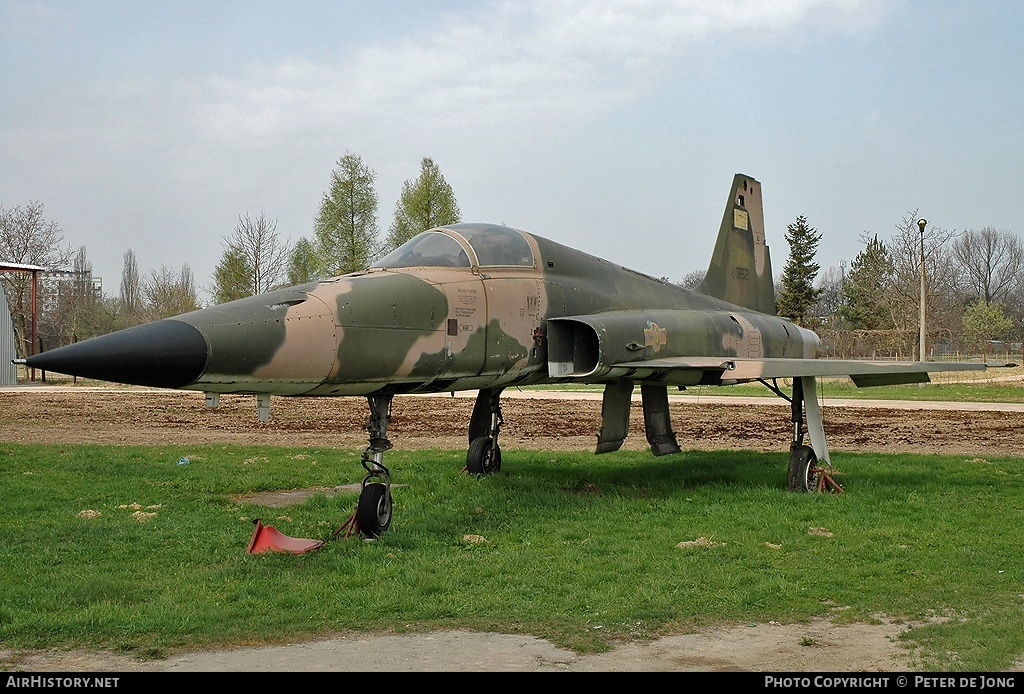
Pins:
x,y
863,373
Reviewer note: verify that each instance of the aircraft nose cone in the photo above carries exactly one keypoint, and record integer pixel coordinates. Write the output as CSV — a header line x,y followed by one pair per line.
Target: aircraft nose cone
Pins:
x,y
164,354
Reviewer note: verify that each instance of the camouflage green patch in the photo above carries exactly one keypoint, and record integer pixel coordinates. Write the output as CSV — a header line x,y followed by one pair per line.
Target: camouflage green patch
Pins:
x,y
392,300
382,318
503,350
247,332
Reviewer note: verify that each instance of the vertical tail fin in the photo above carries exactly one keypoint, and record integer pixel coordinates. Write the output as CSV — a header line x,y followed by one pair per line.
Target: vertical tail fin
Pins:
x,y
741,269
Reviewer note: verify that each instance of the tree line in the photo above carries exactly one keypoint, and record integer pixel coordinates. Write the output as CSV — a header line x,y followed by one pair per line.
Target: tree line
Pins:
x,y
346,232
973,291
346,236
974,280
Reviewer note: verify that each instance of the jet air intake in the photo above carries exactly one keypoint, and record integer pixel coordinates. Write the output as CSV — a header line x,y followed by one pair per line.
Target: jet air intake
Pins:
x,y
617,344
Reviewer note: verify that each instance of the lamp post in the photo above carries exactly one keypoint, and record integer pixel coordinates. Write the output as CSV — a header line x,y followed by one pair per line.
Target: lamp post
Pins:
x,y
920,223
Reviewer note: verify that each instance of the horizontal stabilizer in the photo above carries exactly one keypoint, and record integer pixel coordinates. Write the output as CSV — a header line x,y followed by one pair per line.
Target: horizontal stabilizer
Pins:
x,y
863,373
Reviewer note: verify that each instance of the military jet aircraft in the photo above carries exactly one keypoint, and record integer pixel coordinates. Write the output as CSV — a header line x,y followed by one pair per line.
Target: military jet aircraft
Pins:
x,y
485,307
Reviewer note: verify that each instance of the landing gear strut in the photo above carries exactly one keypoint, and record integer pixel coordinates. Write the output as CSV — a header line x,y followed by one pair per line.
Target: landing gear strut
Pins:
x,y
484,454
803,468
373,514
805,474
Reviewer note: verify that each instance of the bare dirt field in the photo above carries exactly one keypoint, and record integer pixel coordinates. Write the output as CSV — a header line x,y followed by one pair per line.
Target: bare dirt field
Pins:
x,y
539,420
548,421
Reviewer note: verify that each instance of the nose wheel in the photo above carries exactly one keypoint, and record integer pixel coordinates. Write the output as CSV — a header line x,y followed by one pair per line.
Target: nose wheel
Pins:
x,y
373,514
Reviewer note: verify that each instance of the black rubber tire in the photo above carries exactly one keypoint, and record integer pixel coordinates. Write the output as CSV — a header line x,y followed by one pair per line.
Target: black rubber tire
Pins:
x,y
802,465
373,515
483,457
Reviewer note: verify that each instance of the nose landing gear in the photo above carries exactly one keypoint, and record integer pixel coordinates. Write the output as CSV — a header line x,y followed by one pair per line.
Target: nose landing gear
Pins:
x,y
373,513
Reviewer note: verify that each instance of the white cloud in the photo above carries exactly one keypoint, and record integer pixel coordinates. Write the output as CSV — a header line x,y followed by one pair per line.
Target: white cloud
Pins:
x,y
516,63
502,91
33,19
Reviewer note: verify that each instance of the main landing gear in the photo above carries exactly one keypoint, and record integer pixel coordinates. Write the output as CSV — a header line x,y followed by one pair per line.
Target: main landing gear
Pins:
x,y
804,473
484,454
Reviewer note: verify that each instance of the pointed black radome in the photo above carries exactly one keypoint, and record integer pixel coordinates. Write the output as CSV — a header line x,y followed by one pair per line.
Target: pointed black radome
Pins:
x,y
165,354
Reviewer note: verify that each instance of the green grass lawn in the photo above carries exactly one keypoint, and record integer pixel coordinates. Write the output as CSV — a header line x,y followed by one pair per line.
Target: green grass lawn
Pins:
x,y
571,547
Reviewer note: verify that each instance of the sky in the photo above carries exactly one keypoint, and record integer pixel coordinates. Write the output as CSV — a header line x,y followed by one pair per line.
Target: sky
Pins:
x,y
611,126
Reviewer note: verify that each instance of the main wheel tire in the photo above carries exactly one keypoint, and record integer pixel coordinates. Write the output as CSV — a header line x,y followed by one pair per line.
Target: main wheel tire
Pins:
x,y
373,514
803,475
483,457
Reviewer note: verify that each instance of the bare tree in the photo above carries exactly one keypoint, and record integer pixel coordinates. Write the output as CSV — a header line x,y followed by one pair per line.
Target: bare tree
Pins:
x,y
131,290
168,295
692,279
991,262
27,238
942,295
255,260
826,309
71,311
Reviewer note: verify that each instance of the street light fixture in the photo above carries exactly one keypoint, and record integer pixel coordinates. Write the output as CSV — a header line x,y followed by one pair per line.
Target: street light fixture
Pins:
x,y
920,223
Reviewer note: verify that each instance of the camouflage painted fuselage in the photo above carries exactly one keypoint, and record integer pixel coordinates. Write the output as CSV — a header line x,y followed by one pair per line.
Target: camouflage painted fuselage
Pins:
x,y
556,314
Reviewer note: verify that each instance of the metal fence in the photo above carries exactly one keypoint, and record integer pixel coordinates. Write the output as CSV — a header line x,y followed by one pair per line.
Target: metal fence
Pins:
x,y
941,345
8,347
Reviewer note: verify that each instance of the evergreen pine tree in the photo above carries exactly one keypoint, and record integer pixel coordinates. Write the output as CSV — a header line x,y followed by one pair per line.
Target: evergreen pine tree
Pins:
x,y
864,293
798,293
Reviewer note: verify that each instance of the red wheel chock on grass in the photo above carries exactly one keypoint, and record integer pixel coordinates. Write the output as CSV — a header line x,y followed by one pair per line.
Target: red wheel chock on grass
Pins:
x,y
266,538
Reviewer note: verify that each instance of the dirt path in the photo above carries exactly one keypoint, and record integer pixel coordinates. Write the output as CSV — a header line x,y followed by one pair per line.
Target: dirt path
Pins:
x,y
818,646
109,416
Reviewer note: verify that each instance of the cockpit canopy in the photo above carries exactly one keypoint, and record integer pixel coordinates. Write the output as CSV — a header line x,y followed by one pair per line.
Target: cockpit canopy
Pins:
x,y
462,245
